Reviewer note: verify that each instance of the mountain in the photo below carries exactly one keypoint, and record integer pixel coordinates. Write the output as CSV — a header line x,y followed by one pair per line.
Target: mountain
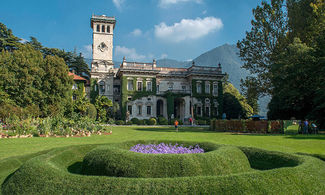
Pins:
x,y
172,63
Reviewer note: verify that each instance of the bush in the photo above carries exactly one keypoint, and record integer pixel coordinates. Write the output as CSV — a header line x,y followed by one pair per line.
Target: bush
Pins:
x,y
141,122
146,121
119,122
103,161
129,123
152,121
58,171
162,121
135,121
111,121
91,111
201,122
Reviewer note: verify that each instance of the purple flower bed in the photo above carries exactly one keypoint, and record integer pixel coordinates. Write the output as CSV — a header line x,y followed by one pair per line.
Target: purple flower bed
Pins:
x,y
163,148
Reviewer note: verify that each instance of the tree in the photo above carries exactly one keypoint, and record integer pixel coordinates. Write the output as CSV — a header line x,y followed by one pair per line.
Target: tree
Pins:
x,y
102,105
234,104
260,47
249,88
8,41
80,66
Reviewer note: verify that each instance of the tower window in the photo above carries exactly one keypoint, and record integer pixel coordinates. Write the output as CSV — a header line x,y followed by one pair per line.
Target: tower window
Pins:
x,y
98,28
103,28
108,29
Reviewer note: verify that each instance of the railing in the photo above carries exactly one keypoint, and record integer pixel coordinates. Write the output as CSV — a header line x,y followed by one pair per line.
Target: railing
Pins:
x,y
175,91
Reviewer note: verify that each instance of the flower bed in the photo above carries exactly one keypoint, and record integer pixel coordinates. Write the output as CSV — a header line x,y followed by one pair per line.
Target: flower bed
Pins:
x,y
163,148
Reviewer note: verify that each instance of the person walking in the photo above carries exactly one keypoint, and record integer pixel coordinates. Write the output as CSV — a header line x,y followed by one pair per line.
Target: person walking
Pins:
x,y
306,123
191,121
176,125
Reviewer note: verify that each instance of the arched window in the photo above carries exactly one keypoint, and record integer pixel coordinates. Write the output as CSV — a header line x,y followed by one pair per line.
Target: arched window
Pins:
x,y
98,28
108,29
103,28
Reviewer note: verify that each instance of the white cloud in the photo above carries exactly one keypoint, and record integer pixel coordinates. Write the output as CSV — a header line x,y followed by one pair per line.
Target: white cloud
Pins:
x,y
136,32
188,29
86,51
129,53
118,3
166,3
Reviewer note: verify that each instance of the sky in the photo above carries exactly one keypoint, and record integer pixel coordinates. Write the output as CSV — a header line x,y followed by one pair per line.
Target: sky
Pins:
x,y
145,29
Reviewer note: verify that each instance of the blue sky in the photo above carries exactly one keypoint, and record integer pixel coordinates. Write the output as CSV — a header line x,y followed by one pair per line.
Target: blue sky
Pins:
x,y
145,29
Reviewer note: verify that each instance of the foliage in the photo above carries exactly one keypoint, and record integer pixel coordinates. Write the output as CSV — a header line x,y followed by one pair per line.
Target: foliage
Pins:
x,y
249,88
162,121
119,122
91,111
285,51
298,174
8,41
102,105
129,123
263,42
135,121
235,105
26,78
152,121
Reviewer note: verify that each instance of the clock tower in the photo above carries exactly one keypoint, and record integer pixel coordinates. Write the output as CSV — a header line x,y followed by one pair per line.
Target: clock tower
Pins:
x,y
103,28
102,67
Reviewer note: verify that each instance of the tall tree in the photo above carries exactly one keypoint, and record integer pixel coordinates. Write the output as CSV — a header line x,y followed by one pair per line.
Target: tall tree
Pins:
x,y
249,88
8,41
265,40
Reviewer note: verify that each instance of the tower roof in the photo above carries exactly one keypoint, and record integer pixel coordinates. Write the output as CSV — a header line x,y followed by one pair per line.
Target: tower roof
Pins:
x,y
102,19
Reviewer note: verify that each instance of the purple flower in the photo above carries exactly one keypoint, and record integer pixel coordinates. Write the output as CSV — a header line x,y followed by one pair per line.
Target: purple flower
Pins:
x,y
163,148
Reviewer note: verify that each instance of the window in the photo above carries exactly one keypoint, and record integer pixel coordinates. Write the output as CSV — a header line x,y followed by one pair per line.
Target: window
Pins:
x,y
102,86
98,28
108,29
170,86
107,87
183,87
148,110
129,98
139,110
139,85
198,88
149,86
103,28
215,89
130,85
198,110
207,87
130,109
207,111
157,88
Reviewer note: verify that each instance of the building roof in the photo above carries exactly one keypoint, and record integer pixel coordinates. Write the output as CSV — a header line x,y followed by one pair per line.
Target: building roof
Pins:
x,y
77,78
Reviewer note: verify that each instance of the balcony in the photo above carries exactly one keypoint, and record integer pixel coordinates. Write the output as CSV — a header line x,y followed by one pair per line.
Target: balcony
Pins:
x,y
180,91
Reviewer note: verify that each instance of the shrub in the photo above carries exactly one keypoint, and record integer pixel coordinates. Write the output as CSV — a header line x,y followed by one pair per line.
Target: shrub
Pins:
x,y
91,111
152,121
162,121
135,121
52,173
201,122
129,123
141,122
119,122
146,121
111,121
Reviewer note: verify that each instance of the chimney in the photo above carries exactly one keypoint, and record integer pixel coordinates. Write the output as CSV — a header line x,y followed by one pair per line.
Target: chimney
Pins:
x,y
154,64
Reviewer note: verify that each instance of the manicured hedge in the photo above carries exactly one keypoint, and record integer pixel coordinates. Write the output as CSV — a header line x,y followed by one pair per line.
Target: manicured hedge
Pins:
x,y
247,126
119,161
57,172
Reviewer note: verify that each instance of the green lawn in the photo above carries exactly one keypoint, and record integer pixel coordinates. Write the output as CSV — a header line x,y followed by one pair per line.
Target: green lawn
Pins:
x,y
13,152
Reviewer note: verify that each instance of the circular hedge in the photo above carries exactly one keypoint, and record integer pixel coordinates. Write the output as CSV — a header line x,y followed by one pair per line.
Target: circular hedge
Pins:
x,y
117,160
59,172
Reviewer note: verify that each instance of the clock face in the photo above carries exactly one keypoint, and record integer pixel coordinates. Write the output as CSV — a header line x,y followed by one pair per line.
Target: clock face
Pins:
x,y
102,47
